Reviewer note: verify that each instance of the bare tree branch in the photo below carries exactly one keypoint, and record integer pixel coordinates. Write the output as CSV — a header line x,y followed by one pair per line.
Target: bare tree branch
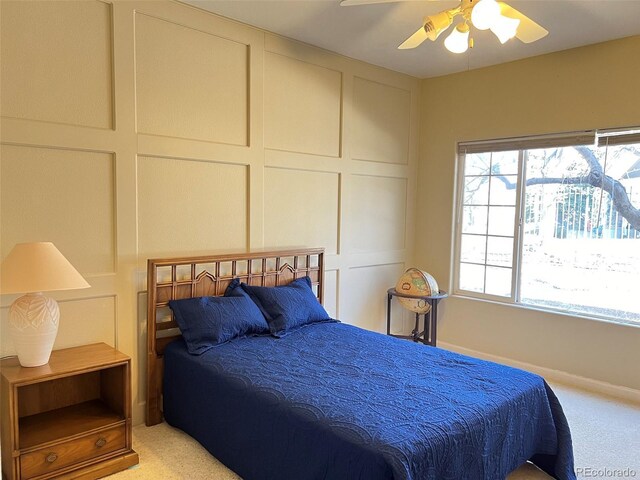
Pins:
x,y
595,178
613,187
545,181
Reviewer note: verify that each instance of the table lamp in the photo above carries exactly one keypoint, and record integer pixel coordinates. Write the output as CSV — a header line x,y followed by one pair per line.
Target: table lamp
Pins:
x,y
33,268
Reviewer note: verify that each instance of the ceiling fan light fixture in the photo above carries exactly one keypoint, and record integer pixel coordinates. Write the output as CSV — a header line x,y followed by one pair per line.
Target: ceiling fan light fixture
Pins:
x,y
458,39
484,14
505,28
436,24
503,20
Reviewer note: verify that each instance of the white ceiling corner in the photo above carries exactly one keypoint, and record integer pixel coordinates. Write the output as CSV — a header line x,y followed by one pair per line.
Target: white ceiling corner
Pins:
x,y
372,32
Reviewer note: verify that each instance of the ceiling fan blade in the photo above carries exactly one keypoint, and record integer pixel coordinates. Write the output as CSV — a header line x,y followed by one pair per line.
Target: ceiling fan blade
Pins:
x,y
348,3
414,40
528,30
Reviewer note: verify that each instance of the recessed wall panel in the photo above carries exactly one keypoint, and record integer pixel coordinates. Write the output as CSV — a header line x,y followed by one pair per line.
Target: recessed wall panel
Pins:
x,y
366,292
190,84
87,321
56,62
377,219
62,196
301,208
190,207
302,106
381,122
331,292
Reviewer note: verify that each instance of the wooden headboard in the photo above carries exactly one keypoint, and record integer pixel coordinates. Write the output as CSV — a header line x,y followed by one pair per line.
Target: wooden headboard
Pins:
x,y
187,277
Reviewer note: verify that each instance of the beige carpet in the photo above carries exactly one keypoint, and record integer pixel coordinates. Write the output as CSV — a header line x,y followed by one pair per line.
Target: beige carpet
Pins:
x,y
606,435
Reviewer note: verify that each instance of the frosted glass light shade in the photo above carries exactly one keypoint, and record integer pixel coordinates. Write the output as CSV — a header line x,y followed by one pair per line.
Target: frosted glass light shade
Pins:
x,y
436,24
38,267
458,39
484,14
505,28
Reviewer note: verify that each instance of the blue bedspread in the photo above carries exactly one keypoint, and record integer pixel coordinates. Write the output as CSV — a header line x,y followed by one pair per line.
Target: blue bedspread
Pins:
x,y
332,401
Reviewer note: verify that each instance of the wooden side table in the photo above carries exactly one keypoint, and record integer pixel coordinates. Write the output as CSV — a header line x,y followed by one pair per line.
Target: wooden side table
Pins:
x,y
70,418
430,319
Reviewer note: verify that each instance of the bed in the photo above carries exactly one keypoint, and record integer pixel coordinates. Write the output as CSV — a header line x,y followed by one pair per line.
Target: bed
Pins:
x,y
333,401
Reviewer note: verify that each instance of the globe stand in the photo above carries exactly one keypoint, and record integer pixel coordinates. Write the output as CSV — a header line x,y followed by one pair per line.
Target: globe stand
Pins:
x,y
430,319
416,334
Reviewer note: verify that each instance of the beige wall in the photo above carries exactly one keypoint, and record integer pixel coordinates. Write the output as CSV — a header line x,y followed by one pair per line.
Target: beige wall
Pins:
x,y
140,129
584,88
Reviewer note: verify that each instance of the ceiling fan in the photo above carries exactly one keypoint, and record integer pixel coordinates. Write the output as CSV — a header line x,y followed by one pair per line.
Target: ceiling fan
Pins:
x,y
503,20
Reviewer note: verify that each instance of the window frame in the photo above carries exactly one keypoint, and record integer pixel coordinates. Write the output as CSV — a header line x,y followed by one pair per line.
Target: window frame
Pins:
x,y
517,244
597,138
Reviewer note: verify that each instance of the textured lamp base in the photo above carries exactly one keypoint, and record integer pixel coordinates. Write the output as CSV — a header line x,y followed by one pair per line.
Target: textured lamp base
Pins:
x,y
33,325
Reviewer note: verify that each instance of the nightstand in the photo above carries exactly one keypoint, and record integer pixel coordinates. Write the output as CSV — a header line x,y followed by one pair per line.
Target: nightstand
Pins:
x,y
70,418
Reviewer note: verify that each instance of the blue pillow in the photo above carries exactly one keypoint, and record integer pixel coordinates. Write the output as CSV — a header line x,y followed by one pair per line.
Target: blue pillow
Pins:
x,y
234,289
209,321
288,306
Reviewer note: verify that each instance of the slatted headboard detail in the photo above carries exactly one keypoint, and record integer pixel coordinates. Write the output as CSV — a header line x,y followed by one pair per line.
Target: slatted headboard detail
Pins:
x,y
187,277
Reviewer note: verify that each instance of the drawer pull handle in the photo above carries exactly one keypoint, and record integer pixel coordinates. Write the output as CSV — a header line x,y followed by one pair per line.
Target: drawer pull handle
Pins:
x,y
52,457
101,442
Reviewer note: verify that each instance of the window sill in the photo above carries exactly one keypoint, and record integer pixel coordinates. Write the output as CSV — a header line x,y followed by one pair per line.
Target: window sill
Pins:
x,y
549,310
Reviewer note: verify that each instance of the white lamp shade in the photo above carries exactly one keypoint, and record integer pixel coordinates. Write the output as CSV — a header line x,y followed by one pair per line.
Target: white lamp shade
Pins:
x,y
458,39
484,14
505,28
38,267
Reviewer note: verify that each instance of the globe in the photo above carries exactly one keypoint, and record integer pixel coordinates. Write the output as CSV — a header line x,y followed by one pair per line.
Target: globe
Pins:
x,y
417,283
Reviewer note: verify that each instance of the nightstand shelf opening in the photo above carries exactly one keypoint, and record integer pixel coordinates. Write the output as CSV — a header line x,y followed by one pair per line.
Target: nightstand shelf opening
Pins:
x,y
63,407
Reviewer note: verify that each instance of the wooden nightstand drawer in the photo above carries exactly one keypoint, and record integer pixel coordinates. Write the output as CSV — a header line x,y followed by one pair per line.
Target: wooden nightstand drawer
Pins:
x,y
50,459
70,418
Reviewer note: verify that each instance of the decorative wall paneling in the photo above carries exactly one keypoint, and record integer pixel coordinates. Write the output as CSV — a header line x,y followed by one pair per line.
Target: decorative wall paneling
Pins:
x,y
201,134
180,97
47,49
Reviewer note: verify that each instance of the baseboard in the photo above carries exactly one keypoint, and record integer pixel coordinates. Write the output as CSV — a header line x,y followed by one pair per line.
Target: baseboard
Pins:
x,y
584,383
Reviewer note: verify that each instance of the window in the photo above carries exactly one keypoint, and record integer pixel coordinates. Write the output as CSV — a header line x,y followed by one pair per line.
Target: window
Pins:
x,y
552,222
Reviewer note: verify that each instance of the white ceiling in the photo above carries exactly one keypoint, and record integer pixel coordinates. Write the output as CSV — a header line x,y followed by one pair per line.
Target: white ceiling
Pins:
x,y
372,32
